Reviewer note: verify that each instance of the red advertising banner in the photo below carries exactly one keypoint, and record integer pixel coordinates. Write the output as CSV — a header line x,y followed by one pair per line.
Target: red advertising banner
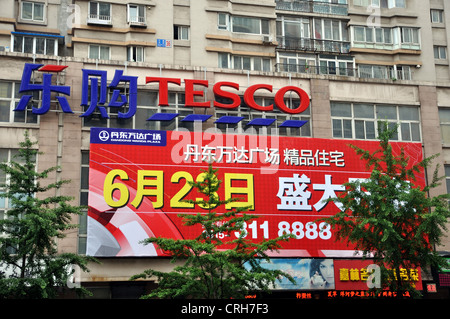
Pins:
x,y
138,179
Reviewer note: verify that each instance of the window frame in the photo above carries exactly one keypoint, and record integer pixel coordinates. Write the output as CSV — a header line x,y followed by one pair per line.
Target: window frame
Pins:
x,y
140,20
90,48
444,124
33,6
351,120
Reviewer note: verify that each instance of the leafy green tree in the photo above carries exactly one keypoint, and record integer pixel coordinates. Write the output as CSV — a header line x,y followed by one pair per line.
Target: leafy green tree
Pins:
x,y
390,218
30,266
208,271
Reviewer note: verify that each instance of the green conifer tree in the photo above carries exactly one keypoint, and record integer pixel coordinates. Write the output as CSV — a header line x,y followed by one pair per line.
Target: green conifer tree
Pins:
x,y
30,266
390,218
206,270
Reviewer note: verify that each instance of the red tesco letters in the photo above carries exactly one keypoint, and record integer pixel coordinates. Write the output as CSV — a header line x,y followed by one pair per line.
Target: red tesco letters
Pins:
x,y
219,91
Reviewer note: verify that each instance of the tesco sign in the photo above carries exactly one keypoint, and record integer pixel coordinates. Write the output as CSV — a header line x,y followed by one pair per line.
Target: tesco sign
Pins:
x,y
249,94
95,91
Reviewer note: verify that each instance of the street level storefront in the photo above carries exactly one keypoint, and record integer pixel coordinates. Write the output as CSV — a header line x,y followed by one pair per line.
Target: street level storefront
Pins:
x,y
141,133
327,278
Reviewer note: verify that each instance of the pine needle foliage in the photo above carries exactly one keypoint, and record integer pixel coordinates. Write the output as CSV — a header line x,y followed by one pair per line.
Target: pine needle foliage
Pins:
x,y
206,271
30,265
390,218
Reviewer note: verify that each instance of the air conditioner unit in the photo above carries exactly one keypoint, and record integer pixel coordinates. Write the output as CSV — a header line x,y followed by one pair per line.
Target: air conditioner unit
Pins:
x,y
267,39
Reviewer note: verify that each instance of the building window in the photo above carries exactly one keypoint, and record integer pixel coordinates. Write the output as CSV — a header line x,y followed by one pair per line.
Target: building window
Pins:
x,y
227,61
447,175
99,13
366,3
386,38
136,14
440,52
396,3
32,11
299,63
99,52
367,71
84,192
444,117
180,32
336,65
403,72
396,72
135,54
359,120
410,36
437,16
34,45
250,25
223,21
10,97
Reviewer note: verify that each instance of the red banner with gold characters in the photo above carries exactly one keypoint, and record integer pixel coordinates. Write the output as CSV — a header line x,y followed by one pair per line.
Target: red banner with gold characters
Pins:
x,y
138,180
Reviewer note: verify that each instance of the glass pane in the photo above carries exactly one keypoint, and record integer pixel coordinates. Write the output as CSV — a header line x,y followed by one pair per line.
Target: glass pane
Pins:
x,y
347,128
408,113
265,26
104,9
359,34
5,89
40,45
445,130
246,25
133,13
406,134
337,128
50,47
370,130
104,53
27,10
363,110
247,65
359,130
4,111
341,109
386,112
38,12
415,131
18,43
444,115
141,119
327,29
28,46
292,29
93,52
93,8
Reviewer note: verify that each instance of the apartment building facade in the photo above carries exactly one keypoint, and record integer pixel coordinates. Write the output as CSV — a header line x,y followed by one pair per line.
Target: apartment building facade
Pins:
x,y
359,61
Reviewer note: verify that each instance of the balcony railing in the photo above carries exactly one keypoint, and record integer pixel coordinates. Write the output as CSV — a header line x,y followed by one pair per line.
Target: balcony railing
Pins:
x,y
99,19
298,68
386,73
137,21
305,44
309,6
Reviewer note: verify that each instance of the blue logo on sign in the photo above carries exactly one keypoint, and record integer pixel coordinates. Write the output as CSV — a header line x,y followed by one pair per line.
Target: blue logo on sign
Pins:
x,y
128,136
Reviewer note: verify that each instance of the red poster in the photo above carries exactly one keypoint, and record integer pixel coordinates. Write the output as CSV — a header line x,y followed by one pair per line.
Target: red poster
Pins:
x,y
138,178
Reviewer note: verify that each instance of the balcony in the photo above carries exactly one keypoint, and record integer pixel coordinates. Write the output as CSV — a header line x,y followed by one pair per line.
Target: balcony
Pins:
x,y
314,45
308,69
137,21
309,6
99,19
